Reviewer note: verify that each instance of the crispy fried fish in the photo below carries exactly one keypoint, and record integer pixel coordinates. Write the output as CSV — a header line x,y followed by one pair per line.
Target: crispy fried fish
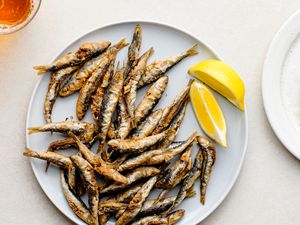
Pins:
x,y
98,96
78,79
134,49
174,175
109,104
133,176
130,88
87,173
136,203
123,119
78,207
209,151
189,181
148,125
100,166
90,86
63,127
151,98
53,88
159,67
53,157
84,53
170,111
158,155
138,145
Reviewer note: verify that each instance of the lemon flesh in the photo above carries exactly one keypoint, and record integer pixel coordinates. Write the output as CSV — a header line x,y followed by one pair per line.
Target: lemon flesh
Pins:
x,y
208,113
222,78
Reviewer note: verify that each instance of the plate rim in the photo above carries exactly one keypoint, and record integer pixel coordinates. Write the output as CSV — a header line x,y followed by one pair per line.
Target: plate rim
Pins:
x,y
278,127
177,28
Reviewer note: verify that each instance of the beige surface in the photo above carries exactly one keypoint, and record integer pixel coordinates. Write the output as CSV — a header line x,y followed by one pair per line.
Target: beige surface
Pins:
x,y
267,191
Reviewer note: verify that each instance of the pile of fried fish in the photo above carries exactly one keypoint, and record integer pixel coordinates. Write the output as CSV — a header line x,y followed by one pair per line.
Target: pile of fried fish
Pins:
x,y
137,151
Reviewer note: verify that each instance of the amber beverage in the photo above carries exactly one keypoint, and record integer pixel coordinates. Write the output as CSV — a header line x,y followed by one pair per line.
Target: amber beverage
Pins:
x,y
15,14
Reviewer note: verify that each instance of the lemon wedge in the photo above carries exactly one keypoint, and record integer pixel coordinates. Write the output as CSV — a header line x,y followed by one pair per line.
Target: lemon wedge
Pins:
x,y
208,113
222,78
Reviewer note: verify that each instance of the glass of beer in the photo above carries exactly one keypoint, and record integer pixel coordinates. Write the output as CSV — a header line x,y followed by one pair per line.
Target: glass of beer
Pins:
x,y
16,14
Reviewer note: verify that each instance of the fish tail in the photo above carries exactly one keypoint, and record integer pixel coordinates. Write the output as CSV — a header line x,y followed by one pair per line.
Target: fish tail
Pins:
x,y
121,44
192,50
33,130
27,152
41,69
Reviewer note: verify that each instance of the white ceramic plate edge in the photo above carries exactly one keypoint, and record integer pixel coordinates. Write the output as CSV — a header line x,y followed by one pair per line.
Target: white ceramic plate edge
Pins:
x,y
272,66
243,149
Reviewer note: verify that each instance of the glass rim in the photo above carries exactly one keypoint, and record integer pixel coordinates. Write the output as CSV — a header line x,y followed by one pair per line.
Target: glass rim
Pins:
x,y
32,14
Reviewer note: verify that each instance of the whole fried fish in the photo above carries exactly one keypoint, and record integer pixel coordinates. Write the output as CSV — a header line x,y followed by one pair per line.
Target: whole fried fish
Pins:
x,y
109,104
100,166
84,53
98,96
65,126
157,156
87,173
78,207
159,67
53,157
134,49
209,151
138,145
148,125
151,98
53,88
90,86
123,119
170,111
135,205
130,88
189,181
78,79
133,176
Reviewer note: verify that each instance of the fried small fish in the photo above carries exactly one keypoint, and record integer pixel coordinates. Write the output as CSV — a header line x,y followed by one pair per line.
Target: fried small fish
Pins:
x,y
130,88
98,96
123,119
159,67
53,157
109,104
133,176
170,111
87,173
176,122
127,195
78,79
189,181
209,151
90,86
138,145
84,53
174,175
72,177
78,207
151,98
63,127
148,125
168,155
111,205
148,155
53,88
170,219
100,166
134,49
136,203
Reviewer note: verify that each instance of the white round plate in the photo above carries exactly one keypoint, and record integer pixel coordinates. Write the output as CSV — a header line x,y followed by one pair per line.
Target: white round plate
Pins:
x,y
281,84
166,41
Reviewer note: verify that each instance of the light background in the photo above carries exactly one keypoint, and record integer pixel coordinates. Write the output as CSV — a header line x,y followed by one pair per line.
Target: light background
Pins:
x,y
267,190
